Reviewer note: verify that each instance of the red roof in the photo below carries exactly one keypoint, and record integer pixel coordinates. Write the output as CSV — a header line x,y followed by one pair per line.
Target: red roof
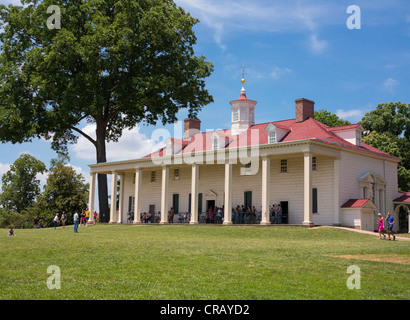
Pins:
x,y
258,135
243,97
404,198
355,203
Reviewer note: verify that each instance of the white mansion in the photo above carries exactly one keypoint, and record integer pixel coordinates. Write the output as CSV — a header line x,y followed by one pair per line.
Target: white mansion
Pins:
x,y
320,175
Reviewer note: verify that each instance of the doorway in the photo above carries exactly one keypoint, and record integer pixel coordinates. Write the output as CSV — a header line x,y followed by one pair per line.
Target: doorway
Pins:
x,y
210,204
403,217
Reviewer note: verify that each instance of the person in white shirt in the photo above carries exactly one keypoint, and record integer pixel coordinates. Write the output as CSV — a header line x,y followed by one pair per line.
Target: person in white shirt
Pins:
x,y
75,217
55,221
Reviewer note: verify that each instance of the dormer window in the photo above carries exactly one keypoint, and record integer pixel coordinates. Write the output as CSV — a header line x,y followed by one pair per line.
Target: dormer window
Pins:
x,y
169,147
272,136
358,139
215,143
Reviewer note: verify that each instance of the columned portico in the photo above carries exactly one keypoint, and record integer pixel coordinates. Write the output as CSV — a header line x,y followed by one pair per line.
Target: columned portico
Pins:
x,y
137,205
194,194
228,194
113,208
164,195
307,189
265,190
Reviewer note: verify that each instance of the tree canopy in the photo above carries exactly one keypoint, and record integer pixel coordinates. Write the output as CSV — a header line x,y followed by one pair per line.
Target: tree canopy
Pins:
x,y
113,63
388,129
65,190
329,119
20,185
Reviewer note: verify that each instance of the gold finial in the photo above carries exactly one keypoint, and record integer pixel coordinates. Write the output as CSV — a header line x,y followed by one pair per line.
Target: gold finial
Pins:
x,y
243,74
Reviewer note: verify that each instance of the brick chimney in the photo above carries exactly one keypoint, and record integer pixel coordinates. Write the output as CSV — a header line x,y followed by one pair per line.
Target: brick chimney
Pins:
x,y
191,127
305,109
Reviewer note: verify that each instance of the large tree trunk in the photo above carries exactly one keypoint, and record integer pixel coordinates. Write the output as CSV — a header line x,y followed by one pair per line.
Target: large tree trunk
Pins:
x,y
102,178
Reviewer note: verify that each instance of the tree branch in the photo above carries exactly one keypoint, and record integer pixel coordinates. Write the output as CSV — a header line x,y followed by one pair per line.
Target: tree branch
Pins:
x,y
85,135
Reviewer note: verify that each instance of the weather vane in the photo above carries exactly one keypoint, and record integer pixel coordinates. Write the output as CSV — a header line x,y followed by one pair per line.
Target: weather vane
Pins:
x,y
243,74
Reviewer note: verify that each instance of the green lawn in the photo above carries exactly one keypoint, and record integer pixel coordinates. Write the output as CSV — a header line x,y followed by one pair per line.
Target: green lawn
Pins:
x,y
201,262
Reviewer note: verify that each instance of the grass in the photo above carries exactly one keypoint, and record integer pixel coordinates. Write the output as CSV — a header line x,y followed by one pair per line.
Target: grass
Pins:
x,y
184,262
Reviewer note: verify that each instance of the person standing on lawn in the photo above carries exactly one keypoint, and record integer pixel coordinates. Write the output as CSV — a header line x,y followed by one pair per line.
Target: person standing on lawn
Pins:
x,y
55,221
381,227
75,218
390,222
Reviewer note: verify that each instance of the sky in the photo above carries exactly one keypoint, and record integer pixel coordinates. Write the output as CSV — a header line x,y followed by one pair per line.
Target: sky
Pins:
x,y
346,61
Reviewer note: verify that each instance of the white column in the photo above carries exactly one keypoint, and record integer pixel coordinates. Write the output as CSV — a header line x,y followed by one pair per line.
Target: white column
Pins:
x,y
307,193
91,197
164,195
336,193
408,211
113,208
194,194
265,190
120,207
228,194
137,205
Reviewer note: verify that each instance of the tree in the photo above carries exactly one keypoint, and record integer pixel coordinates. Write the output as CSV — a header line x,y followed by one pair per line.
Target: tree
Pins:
x,y
20,185
388,129
113,63
329,119
65,190
393,117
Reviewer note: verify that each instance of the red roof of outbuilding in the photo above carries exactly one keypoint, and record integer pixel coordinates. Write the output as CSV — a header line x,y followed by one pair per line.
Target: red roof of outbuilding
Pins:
x,y
404,198
355,203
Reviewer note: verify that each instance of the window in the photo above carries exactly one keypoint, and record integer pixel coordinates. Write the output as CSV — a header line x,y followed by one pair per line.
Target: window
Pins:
x,y
152,176
248,169
235,115
364,192
314,200
176,174
284,165
215,141
272,136
314,164
251,115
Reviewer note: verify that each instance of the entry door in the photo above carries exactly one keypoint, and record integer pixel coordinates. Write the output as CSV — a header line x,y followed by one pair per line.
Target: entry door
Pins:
x,y
210,204
247,201
285,211
175,202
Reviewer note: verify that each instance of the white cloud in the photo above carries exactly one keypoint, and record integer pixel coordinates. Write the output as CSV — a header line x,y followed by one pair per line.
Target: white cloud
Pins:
x,y
353,115
79,170
131,145
316,45
390,84
227,17
278,72
4,167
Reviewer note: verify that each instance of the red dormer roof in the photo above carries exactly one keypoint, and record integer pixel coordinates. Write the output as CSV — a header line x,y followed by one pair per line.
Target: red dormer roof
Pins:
x,y
355,203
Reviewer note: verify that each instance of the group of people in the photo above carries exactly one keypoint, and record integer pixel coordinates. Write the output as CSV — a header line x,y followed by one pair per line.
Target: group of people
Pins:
x,y
389,221
240,215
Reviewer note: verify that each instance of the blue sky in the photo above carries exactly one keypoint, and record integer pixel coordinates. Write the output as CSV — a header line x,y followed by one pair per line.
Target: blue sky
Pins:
x,y
290,49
